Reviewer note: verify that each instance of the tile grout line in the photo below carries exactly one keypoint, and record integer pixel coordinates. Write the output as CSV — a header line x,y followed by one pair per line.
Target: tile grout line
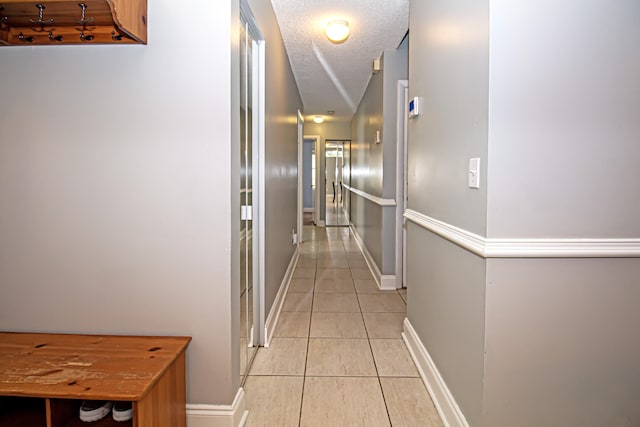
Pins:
x,y
386,407
306,359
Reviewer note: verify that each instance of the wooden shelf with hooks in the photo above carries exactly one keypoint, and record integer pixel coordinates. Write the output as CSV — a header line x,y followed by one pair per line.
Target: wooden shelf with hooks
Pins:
x,y
63,22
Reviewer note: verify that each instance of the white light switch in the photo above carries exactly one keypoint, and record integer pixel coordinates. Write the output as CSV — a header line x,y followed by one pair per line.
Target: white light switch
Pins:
x,y
474,173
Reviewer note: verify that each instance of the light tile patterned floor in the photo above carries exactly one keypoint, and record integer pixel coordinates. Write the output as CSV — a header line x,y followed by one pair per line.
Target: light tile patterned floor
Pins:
x,y
337,357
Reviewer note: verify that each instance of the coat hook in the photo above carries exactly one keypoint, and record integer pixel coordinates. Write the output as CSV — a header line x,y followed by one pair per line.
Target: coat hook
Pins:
x,y
3,18
54,38
115,36
29,39
86,38
40,20
84,21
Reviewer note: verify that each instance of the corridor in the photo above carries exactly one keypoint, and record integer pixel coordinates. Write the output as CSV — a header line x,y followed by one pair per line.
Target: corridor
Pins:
x,y
337,357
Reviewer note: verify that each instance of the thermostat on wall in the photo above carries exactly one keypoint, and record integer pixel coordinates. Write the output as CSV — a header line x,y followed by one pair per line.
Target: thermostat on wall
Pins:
x,y
414,107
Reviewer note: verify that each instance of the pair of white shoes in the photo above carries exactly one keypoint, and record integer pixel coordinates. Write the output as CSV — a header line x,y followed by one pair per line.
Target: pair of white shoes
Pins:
x,y
95,410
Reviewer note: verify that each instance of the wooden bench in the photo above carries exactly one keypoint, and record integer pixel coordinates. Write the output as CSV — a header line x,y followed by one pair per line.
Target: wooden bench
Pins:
x,y
45,377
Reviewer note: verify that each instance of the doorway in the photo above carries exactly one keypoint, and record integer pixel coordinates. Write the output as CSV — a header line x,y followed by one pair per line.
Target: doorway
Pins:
x,y
308,179
335,180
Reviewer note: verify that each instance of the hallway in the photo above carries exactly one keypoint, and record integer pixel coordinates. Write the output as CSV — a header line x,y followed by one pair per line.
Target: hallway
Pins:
x,y
337,357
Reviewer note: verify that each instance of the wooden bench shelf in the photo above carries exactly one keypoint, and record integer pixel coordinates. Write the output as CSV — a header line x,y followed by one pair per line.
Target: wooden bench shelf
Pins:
x,y
61,22
45,377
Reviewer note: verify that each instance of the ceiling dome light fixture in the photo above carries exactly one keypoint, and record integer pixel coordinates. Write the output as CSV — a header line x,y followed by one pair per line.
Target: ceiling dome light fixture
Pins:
x,y
318,119
337,30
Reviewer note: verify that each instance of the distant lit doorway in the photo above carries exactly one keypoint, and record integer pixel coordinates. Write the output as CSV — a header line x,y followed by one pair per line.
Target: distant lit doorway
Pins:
x,y
336,177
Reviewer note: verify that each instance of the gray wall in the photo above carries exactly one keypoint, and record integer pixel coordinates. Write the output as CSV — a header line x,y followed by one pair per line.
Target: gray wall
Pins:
x,y
449,69
573,110
562,335
281,152
373,166
555,125
446,307
564,120
115,180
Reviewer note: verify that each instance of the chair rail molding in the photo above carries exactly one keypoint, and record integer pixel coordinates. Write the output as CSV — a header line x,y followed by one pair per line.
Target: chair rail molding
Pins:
x,y
375,199
527,248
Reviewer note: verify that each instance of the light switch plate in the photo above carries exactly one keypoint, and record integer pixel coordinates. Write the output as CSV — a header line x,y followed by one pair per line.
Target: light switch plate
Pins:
x,y
474,173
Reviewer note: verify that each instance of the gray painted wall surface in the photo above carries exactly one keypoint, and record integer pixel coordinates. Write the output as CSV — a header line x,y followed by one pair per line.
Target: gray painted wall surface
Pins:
x,y
560,339
446,306
395,65
562,343
449,69
116,212
366,155
281,152
366,217
373,165
565,109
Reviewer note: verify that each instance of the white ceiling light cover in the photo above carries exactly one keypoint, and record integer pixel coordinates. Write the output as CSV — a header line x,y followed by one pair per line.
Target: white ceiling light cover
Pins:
x,y
334,76
337,30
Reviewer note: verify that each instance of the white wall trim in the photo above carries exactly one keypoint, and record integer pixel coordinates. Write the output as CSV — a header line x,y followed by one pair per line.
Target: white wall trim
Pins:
x,y
375,199
527,248
388,282
402,107
443,400
274,313
385,282
234,415
308,209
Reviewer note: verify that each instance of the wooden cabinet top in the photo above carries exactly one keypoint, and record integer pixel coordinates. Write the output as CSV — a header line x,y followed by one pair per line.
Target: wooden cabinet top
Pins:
x,y
93,367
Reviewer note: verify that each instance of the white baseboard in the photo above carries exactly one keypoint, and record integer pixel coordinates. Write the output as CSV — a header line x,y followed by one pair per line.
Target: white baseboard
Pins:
x,y
443,400
385,282
234,415
274,313
388,282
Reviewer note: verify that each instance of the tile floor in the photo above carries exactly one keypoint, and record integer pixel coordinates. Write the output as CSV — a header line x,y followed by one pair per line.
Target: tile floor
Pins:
x,y
337,357
334,214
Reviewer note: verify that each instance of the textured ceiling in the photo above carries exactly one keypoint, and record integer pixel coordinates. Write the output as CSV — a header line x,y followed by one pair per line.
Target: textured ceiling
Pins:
x,y
335,76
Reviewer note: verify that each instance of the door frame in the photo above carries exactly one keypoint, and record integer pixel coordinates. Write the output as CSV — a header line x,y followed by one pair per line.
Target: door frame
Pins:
x,y
258,173
401,182
299,233
316,195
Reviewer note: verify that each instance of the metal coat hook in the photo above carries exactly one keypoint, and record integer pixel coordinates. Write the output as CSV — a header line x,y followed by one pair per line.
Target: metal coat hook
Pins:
x,y
54,38
29,39
41,20
84,21
3,19
86,38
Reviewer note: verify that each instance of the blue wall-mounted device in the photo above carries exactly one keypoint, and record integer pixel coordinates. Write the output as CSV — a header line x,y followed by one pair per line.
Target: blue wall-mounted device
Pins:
x,y
414,107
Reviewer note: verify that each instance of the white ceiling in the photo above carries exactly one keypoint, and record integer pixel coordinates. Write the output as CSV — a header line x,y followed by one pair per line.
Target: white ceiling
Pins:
x,y
335,76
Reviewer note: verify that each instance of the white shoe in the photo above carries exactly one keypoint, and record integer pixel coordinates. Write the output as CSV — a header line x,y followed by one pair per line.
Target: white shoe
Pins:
x,y
94,410
122,411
